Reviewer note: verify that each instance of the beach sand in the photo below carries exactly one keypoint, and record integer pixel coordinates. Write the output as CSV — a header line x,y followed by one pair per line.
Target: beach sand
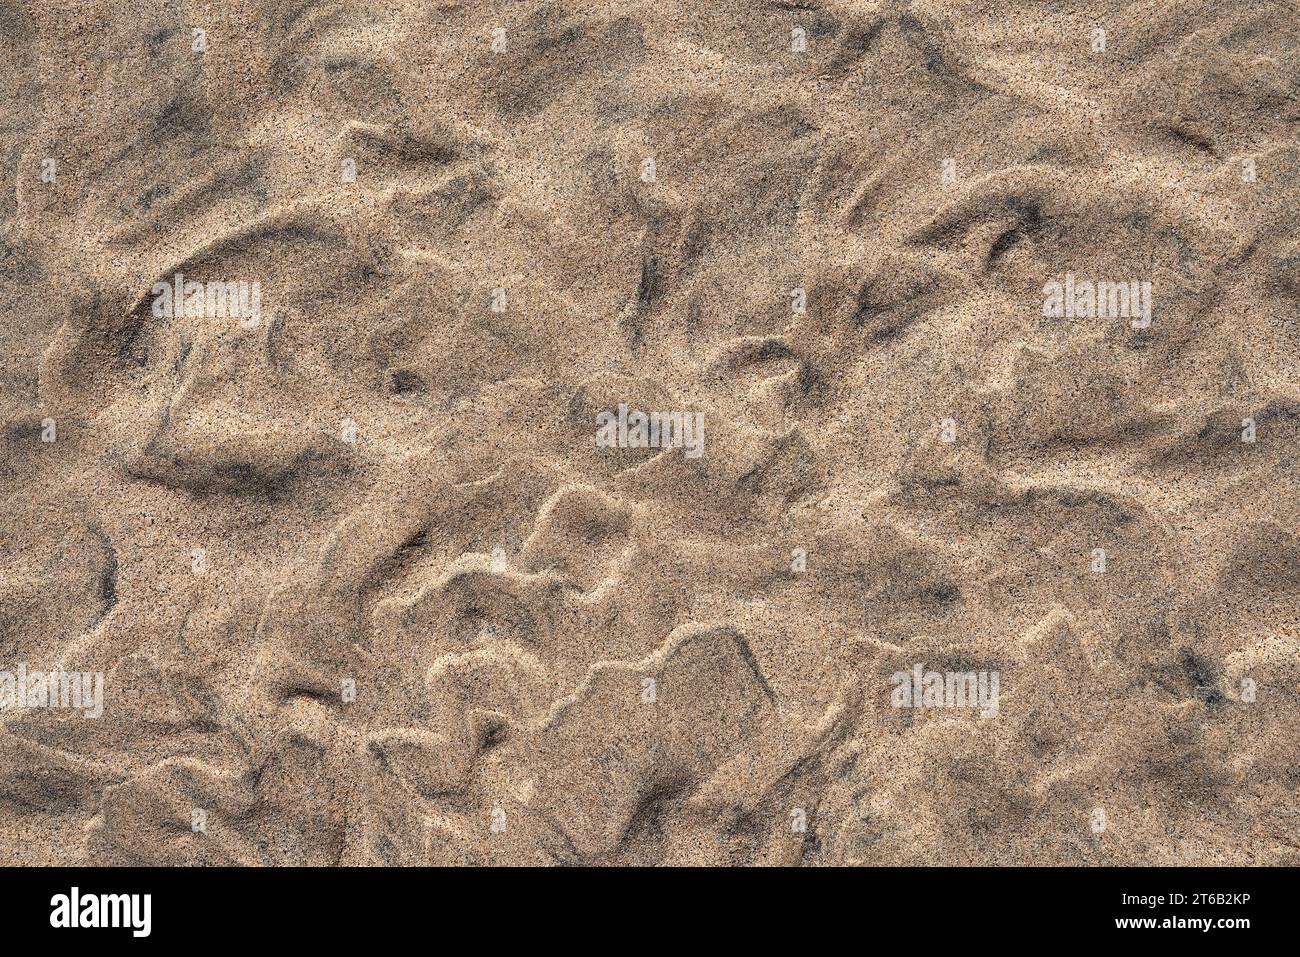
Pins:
x,y
969,330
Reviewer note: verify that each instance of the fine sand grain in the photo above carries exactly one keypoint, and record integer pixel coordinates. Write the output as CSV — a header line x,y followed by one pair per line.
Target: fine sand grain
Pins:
x,y
967,531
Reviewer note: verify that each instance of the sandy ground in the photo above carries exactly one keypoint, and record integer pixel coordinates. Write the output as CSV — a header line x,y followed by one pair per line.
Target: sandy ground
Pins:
x,y
365,578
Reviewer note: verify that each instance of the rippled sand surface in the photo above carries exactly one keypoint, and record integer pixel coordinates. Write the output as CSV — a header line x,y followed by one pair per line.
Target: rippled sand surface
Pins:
x,y
365,589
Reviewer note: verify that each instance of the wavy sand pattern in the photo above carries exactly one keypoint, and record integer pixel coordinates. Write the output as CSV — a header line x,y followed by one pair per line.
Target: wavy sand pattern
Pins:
x,y
362,585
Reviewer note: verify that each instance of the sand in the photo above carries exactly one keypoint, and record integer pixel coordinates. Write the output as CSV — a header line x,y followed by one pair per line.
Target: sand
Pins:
x,y
967,531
